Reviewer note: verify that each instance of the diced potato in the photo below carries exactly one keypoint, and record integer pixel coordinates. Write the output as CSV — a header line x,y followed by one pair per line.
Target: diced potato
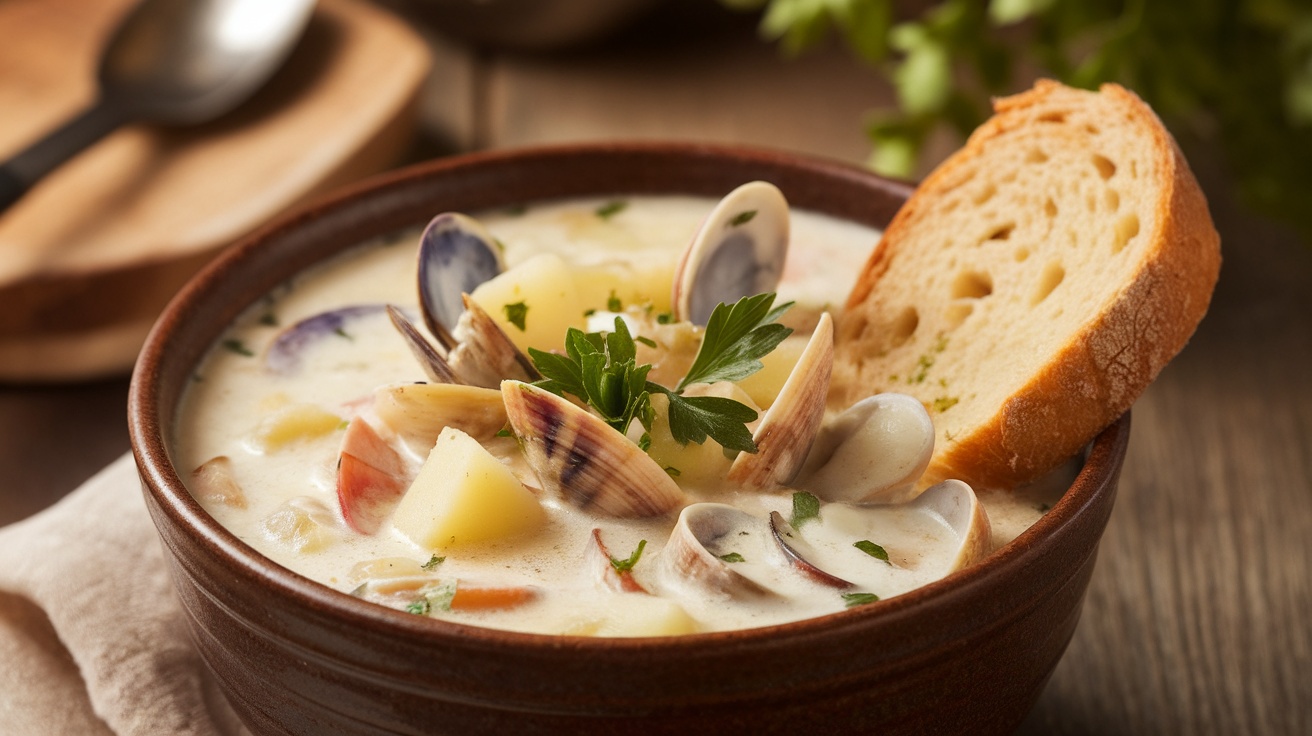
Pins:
x,y
644,284
294,422
764,385
632,614
701,466
303,524
545,285
463,495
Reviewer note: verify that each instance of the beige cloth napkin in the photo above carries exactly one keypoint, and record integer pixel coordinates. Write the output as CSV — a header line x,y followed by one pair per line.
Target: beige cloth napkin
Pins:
x,y
92,637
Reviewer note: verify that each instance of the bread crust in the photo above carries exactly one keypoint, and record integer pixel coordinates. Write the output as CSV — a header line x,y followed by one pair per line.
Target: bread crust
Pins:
x,y
1100,368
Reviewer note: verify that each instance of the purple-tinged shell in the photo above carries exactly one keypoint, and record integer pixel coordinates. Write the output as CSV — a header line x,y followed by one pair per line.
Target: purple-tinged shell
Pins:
x,y
456,254
284,353
795,549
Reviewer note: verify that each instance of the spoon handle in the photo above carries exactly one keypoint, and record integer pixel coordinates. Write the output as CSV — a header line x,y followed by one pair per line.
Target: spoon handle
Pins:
x,y
26,167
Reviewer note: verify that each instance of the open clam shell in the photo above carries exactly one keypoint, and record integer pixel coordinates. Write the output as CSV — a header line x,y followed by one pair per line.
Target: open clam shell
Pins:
x,y
738,251
580,458
784,436
485,356
285,351
956,504
695,555
456,254
420,411
432,360
800,554
873,452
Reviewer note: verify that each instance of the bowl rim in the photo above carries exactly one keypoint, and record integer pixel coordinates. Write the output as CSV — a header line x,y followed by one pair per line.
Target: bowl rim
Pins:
x,y
161,482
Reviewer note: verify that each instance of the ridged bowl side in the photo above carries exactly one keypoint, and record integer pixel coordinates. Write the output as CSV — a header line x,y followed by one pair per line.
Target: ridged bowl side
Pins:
x,y
970,652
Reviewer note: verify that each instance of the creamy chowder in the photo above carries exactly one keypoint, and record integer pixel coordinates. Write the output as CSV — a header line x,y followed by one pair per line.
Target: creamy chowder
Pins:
x,y
308,433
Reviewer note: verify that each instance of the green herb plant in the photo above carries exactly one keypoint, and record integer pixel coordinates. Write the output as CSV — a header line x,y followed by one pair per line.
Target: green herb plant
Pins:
x,y
601,369
1230,75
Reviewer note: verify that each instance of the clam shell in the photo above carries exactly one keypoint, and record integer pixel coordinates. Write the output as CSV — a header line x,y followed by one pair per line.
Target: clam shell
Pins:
x,y
784,436
691,557
956,504
738,251
798,551
580,458
873,452
485,356
456,254
420,411
432,360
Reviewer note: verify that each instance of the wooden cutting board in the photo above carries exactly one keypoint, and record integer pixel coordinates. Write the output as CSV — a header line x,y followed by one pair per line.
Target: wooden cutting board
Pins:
x,y
92,253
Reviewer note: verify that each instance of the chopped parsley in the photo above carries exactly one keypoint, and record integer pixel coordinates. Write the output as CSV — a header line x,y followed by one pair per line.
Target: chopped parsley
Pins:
x,y
505,432
805,508
645,341
742,218
732,557
859,599
672,471
665,318
610,209
236,346
926,361
626,565
943,403
343,333
601,368
269,319
433,598
613,303
433,562
872,549
517,314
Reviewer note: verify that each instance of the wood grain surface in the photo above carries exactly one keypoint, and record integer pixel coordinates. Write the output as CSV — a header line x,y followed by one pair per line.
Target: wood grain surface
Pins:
x,y
1197,620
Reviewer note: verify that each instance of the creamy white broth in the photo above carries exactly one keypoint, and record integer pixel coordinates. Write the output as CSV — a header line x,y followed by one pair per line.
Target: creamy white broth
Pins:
x,y
234,393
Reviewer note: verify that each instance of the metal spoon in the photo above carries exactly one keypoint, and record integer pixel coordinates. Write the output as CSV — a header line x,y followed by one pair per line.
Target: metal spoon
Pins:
x,y
169,61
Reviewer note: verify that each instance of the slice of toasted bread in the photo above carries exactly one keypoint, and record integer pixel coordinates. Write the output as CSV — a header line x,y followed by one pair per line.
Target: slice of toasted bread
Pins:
x,y
1035,283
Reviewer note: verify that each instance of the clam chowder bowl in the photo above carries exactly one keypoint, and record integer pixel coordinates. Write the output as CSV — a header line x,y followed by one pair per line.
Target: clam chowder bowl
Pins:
x,y
340,573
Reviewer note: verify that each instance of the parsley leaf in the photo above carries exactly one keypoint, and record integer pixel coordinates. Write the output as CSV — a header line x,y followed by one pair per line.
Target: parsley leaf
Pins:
x,y
433,562
872,549
693,418
736,338
517,314
237,347
805,508
859,599
627,565
732,557
610,209
600,368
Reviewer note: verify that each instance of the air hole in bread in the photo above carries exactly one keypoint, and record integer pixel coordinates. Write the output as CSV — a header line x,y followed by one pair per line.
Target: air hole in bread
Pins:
x,y
904,325
1035,156
985,194
955,314
1053,117
1001,232
1091,129
1104,166
1022,254
1050,279
1126,228
1050,208
1113,199
972,285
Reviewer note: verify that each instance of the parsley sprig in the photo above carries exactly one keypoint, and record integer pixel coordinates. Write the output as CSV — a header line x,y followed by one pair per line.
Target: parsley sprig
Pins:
x,y
602,369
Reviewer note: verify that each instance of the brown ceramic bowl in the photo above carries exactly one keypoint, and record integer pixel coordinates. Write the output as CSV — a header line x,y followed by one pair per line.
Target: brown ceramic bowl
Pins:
x,y
968,653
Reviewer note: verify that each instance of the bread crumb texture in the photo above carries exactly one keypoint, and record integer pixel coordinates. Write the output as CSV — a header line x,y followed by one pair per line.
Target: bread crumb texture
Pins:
x,y
1034,284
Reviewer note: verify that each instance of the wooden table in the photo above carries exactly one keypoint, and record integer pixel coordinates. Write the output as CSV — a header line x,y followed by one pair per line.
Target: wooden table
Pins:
x,y
1197,620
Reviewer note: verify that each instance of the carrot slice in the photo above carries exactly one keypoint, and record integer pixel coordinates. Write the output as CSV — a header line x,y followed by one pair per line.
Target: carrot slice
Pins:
x,y
470,598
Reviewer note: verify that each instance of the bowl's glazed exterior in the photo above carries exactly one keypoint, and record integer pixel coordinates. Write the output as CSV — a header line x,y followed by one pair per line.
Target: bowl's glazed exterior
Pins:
x,y
968,653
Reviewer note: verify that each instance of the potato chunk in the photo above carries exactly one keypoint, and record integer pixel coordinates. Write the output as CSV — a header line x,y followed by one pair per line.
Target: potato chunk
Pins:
x,y
294,422
463,495
544,286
